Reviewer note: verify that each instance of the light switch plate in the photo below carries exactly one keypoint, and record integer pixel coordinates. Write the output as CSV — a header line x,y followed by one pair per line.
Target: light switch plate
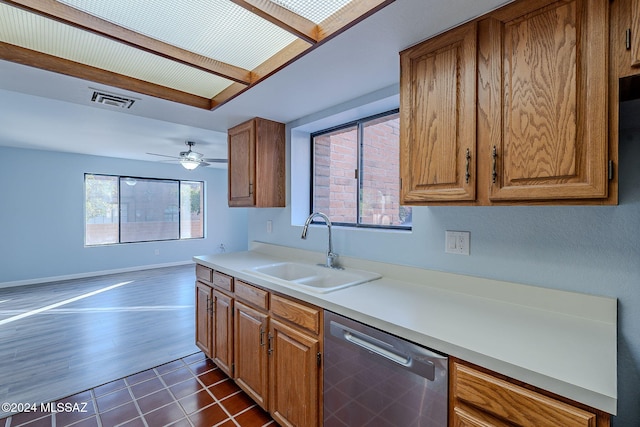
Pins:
x,y
457,242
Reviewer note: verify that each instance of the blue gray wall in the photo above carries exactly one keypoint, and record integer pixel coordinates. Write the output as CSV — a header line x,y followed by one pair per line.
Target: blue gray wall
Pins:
x,y
593,250
42,217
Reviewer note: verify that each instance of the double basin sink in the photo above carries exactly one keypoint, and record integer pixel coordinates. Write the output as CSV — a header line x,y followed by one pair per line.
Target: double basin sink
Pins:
x,y
317,278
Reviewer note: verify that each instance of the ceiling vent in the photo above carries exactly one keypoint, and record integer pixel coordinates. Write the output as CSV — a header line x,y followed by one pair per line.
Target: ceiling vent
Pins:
x,y
106,98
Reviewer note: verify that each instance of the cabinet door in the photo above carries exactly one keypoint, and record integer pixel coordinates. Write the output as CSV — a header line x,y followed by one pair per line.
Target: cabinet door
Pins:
x,y
223,331
481,399
250,355
203,317
294,376
438,118
547,92
242,164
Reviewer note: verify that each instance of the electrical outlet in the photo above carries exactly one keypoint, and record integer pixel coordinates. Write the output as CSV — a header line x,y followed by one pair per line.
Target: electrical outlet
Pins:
x,y
457,242
269,226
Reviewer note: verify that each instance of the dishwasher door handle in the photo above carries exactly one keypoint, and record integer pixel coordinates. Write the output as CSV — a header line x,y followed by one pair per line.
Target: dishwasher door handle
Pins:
x,y
421,366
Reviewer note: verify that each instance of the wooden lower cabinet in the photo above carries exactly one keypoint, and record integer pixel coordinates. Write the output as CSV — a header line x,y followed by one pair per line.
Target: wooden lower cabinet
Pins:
x,y
269,344
479,398
203,317
223,331
250,352
294,369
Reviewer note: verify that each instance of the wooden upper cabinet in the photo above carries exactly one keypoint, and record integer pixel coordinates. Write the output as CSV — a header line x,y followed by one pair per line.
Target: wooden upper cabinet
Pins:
x,y
544,100
257,164
438,118
625,36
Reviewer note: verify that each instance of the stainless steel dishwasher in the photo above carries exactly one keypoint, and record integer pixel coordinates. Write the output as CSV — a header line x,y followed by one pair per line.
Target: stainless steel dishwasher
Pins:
x,y
372,378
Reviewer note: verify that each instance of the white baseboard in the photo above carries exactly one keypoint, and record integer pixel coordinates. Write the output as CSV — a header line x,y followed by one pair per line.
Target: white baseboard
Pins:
x,y
89,274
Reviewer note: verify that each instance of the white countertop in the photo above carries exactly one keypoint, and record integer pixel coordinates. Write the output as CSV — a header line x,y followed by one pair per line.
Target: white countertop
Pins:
x,y
559,341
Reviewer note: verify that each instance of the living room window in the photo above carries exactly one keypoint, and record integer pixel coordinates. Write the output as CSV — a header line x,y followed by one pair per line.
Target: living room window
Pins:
x,y
122,209
356,178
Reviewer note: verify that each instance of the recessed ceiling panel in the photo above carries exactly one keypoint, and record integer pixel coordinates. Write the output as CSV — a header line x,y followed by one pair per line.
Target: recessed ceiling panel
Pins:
x,y
214,28
44,35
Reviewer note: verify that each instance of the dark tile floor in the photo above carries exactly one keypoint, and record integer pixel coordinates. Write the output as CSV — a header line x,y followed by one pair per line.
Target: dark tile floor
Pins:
x,y
190,391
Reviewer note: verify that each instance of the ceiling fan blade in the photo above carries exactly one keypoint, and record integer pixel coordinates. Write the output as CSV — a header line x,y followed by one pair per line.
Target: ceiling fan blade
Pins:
x,y
215,160
164,155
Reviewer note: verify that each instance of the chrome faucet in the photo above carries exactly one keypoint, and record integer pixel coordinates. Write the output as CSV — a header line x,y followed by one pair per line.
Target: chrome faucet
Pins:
x,y
332,258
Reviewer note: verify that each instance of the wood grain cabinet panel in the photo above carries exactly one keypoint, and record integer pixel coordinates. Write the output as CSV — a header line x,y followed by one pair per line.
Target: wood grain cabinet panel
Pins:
x,y
550,99
303,315
223,281
223,331
438,118
256,150
204,273
204,294
253,295
512,108
626,36
294,376
479,398
250,352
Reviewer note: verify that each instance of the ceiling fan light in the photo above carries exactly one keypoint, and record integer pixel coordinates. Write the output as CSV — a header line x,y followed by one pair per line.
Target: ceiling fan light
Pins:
x,y
189,164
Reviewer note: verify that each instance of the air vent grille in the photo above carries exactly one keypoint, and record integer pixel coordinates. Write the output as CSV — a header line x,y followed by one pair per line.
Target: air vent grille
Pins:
x,y
112,100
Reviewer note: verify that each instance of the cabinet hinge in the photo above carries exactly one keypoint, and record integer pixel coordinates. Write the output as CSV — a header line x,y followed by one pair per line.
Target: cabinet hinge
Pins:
x,y
627,39
319,358
610,170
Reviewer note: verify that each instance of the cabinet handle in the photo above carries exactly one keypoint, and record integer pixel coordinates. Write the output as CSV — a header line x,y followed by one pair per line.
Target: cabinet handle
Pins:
x,y
261,336
494,161
270,348
467,174
250,189
208,305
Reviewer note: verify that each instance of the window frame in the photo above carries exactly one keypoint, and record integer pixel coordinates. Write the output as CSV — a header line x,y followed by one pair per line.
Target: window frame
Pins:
x,y
120,179
359,124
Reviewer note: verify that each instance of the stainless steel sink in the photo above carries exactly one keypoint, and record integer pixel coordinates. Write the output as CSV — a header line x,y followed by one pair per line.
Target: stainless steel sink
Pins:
x,y
317,278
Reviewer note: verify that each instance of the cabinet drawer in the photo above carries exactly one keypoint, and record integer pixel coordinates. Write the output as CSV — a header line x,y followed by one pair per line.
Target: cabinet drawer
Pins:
x,y
204,273
223,281
305,316
254,296
516,404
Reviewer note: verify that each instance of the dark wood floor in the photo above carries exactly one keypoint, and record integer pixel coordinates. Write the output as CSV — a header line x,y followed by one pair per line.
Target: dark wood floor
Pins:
x,y
59,339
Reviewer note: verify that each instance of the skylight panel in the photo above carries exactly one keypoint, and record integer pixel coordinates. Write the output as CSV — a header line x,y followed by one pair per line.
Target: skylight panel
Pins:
x,y
315,11
44,35
217,29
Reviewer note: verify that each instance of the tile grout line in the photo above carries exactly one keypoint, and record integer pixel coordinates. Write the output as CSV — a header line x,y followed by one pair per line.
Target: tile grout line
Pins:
x,y
172,395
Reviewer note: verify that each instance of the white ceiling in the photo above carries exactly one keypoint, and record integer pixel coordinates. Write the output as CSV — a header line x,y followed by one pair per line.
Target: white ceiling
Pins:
x,y
48,111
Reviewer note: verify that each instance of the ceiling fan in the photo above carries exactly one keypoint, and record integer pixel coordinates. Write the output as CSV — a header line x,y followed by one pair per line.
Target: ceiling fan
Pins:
x,y
191,159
